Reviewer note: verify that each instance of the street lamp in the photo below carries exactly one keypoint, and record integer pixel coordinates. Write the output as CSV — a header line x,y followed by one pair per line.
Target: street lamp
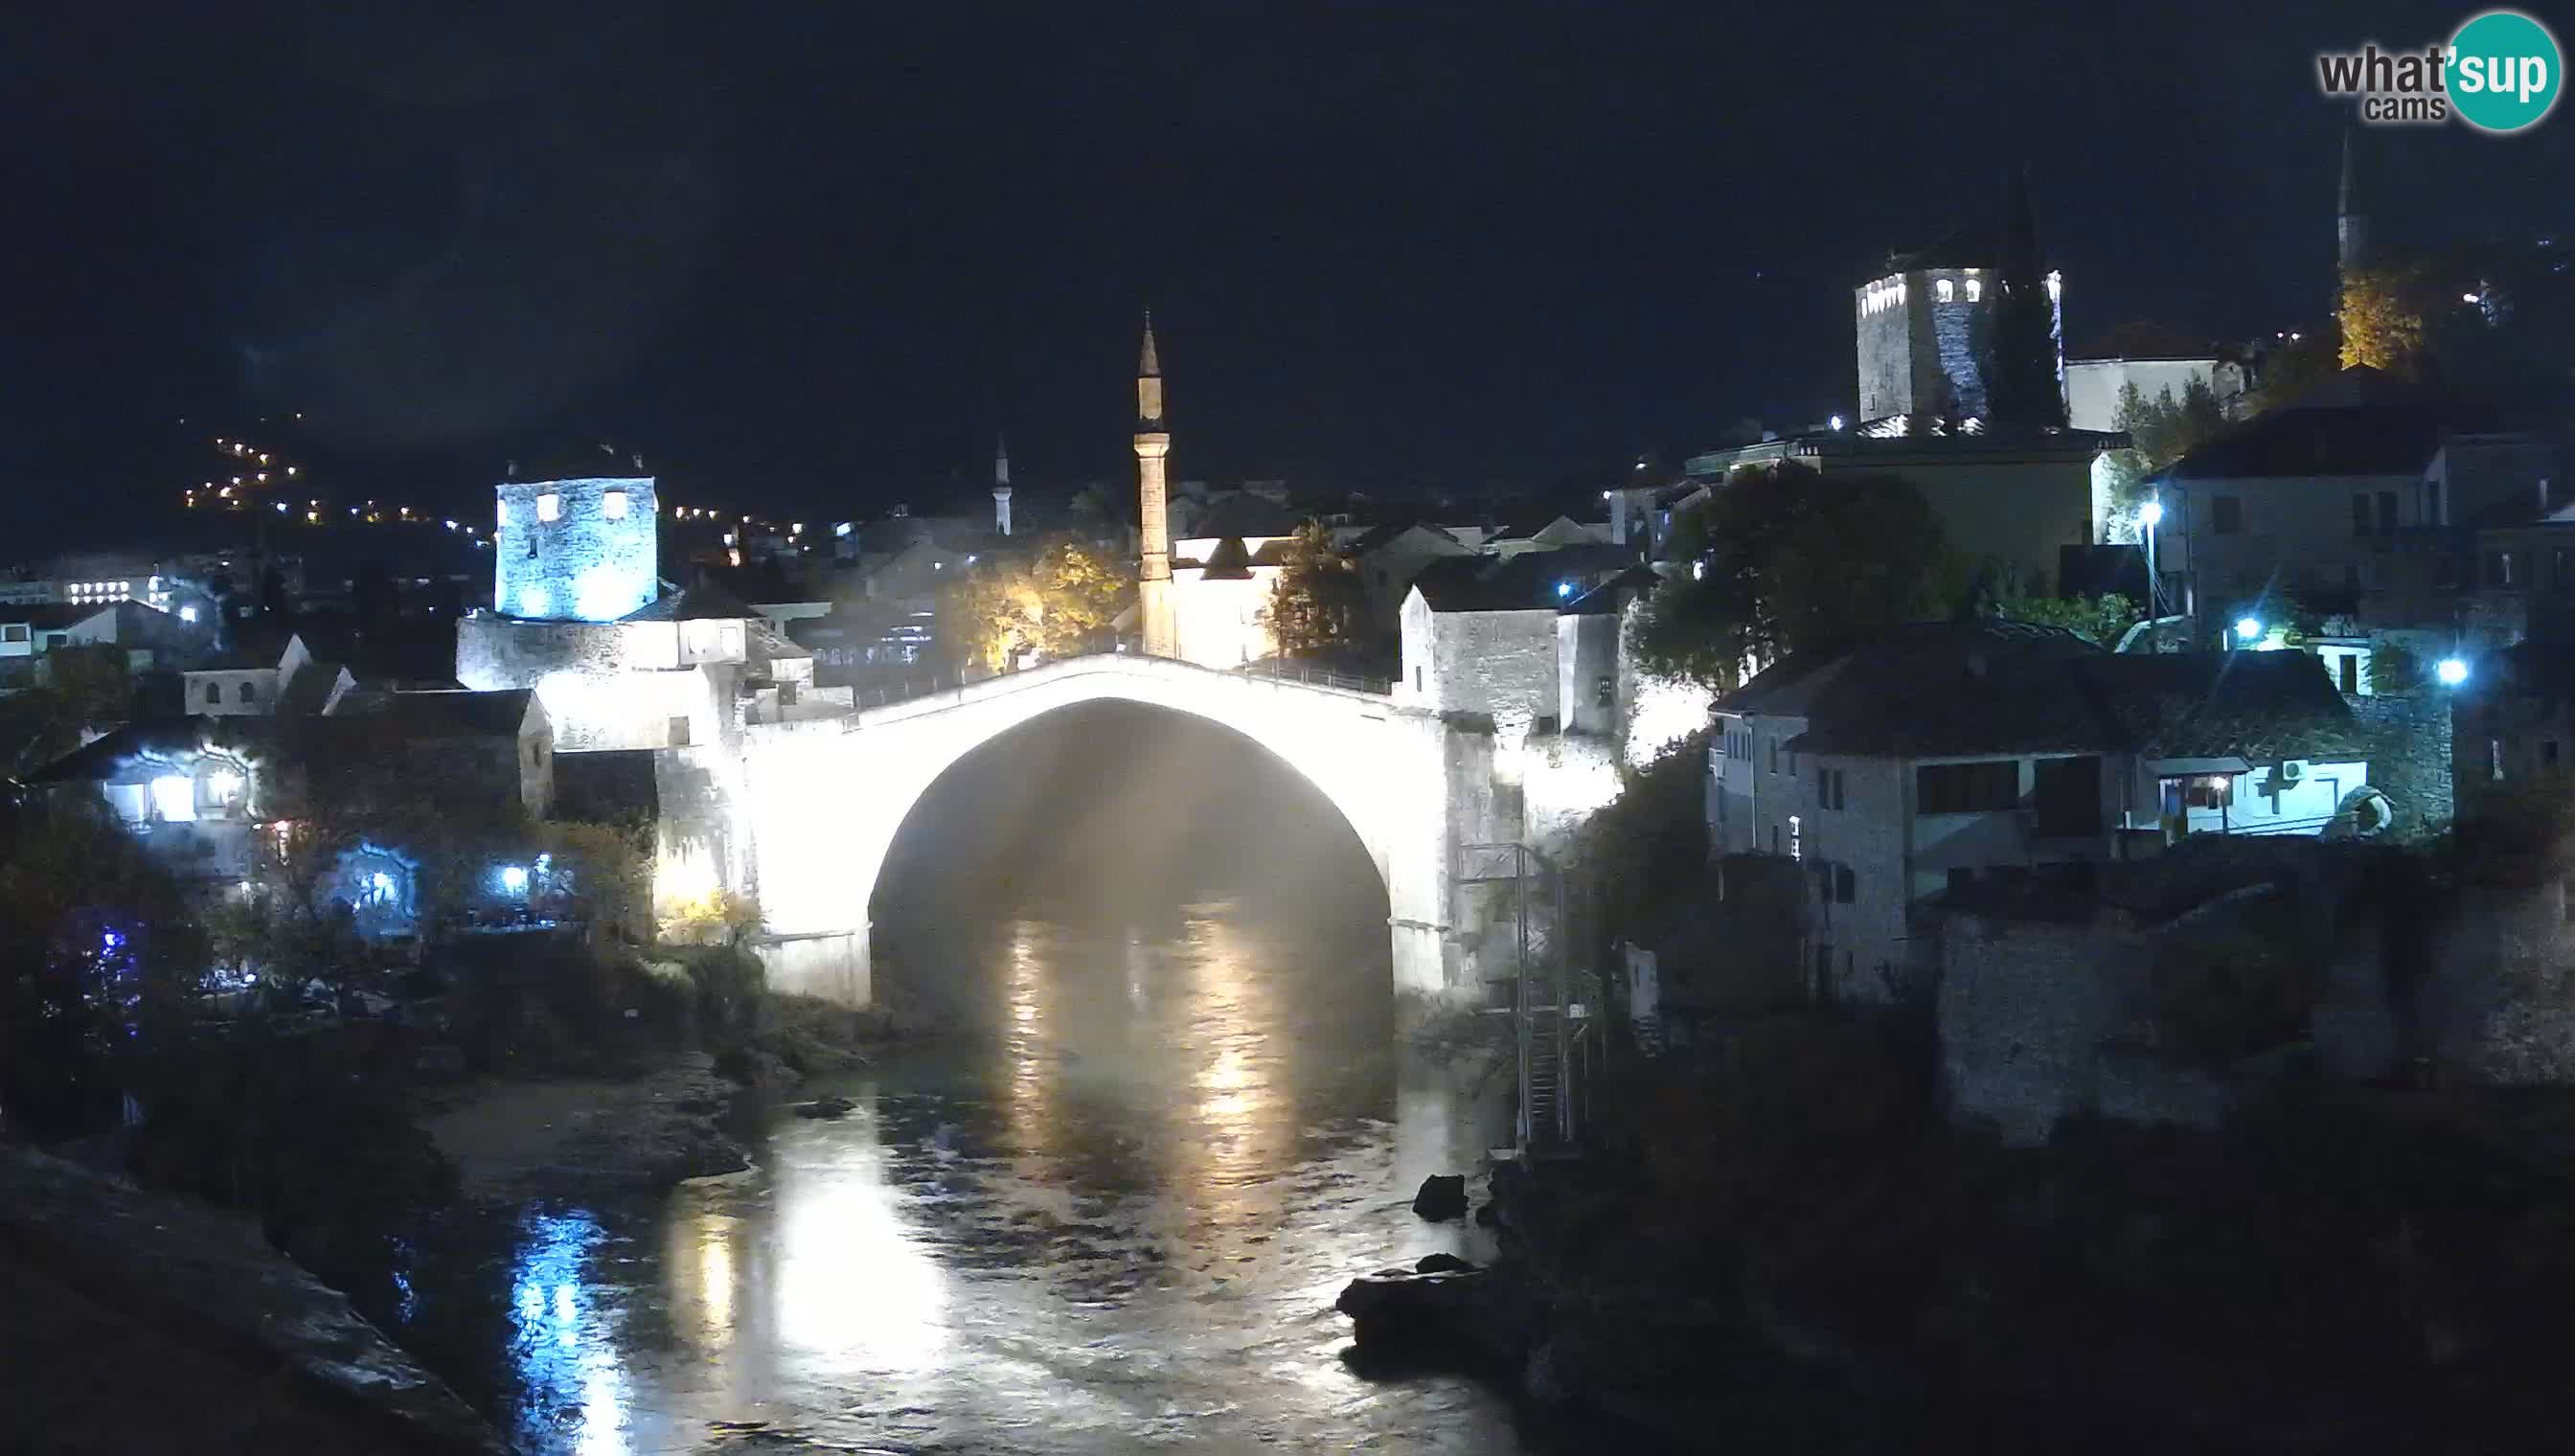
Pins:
x,y
2248,628
2452,672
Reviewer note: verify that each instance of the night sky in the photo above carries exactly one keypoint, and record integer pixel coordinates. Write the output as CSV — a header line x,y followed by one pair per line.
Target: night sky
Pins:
x,y
814,256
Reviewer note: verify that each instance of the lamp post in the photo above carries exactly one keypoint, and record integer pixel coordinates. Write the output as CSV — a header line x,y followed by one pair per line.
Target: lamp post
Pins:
x,y
2151,514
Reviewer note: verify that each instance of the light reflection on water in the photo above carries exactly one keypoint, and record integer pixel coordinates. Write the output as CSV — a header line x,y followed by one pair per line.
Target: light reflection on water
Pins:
x,y
1115,1221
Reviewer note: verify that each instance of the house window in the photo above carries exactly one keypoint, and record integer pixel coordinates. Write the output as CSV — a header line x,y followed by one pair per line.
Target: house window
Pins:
x,y
1951,788
1946,290
2360,514
1845,885
2226,515
613,505
1417,680
214,693
2499,569
1605,691
2065,794
1828,788
2387,513
1975,289
680,730
1774,839
1796,837
2348,665
2548,754
2494,759
249,693
2561,568
549,507
13,631
2432,515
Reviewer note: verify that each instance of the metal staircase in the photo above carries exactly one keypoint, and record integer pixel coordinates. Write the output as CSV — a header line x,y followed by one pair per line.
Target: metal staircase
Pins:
x,y
1550,1025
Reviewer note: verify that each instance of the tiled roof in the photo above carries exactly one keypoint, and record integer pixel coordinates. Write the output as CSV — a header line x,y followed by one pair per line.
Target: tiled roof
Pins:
x,y
697,603
2361,423
459,714
1998,687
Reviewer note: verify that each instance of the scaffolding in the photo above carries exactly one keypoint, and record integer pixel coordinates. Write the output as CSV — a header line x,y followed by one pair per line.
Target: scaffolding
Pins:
x,y
1552,1024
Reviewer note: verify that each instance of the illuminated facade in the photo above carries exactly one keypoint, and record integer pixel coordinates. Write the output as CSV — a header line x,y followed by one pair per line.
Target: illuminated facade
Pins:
x,y
576,550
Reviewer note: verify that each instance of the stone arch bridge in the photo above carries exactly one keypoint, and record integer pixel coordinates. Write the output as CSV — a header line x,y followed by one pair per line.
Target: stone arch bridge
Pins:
x,y
818,802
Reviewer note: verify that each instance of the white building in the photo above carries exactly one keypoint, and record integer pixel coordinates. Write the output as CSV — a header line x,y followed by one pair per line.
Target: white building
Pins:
x,y
1948,753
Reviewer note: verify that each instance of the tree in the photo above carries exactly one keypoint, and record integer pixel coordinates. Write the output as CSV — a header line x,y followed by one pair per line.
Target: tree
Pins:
x,y
1781,564
2021,350
2160,431
1316,605
2382,318
86,690
1060,602
2104,618
99,962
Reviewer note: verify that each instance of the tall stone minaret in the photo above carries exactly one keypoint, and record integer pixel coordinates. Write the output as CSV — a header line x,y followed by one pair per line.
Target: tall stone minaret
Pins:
x,y
1152,507
1000,485
2351,224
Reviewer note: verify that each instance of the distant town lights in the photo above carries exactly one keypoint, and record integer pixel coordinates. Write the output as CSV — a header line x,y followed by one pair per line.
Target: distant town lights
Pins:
x,y
2452,672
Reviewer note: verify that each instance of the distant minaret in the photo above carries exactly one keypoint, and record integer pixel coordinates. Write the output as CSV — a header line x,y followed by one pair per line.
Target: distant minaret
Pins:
x,y
1153,506
1000,485
2351,224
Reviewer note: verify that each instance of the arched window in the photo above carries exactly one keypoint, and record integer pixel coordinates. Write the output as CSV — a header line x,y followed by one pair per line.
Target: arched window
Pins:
x,y
214,693
1975,289
249,693
1948,291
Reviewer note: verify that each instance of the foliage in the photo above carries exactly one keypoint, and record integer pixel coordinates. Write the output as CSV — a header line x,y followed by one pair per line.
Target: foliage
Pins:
x,y
2292,368
2160,431
2223,994
1645,849
2394,668
1791,565
86,689
1058,602
2382,318
1317,607
99,963
605,871
2104,618
709,916
2019,348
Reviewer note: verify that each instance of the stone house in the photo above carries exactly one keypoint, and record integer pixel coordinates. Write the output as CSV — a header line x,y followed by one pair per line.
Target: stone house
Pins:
x,y
1479,633
1948,753
2354,500
1390,557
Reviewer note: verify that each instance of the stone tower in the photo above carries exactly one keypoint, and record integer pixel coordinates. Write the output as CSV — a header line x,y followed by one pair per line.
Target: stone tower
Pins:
x,y
581,549
1152,507
2351,224
1000,486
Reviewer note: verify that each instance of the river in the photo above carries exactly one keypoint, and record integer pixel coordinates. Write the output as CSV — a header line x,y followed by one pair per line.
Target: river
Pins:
x,y
1110,1213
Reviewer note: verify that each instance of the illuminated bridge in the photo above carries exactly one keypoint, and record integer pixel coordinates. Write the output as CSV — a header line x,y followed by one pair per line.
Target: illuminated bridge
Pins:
x,y
819,799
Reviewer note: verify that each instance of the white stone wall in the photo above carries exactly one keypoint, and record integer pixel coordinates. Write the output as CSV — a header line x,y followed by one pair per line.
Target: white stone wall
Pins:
x,y
1586,657
1500,665
1217,620
583,564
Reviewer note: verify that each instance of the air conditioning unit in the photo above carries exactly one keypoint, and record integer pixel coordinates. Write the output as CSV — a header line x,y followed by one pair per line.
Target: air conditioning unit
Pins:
x,y
2289,771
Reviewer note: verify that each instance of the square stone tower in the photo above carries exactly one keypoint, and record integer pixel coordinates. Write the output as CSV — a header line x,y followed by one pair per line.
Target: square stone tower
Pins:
x,y
576,550
1921,322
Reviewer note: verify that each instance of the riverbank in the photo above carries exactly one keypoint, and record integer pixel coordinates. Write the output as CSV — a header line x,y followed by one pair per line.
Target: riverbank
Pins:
x,y
141,1322
1789,1248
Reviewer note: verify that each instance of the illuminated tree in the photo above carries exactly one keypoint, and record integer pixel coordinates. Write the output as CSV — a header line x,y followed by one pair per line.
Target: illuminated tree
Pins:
x,y
2160,431
1316,605
2104,618
2382,318
1061,602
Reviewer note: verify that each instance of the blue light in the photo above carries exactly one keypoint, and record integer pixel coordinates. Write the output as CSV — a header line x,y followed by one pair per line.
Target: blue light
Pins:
x,y
1565,589
2452,672
2248,627
513,878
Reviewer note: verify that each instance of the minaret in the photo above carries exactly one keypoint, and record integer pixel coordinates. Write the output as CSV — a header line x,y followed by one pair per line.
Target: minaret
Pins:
x,y
1152,507
2352,227
1000,485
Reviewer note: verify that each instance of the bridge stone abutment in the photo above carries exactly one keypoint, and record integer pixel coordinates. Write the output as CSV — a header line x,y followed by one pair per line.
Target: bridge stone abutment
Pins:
x,y
820,800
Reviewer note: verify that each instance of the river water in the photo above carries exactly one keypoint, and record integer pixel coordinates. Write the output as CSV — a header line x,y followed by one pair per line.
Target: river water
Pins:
x,y
1110,1213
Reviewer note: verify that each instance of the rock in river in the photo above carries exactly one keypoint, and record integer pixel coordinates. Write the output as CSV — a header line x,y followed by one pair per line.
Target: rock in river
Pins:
x,y
1442,1197
824,1107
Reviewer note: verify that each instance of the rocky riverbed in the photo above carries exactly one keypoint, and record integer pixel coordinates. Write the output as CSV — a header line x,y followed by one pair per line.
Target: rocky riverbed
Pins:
x,y
587,1136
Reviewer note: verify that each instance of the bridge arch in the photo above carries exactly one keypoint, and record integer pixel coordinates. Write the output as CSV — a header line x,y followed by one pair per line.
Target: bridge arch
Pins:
x,y
822,801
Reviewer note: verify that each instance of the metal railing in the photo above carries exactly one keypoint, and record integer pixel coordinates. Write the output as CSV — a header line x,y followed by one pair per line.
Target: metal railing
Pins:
x,y
1552,1003
1280,672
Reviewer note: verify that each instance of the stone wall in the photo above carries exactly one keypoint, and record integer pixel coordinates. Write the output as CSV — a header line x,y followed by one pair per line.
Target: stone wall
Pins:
x,y
2031,1017
585,564
2409,757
